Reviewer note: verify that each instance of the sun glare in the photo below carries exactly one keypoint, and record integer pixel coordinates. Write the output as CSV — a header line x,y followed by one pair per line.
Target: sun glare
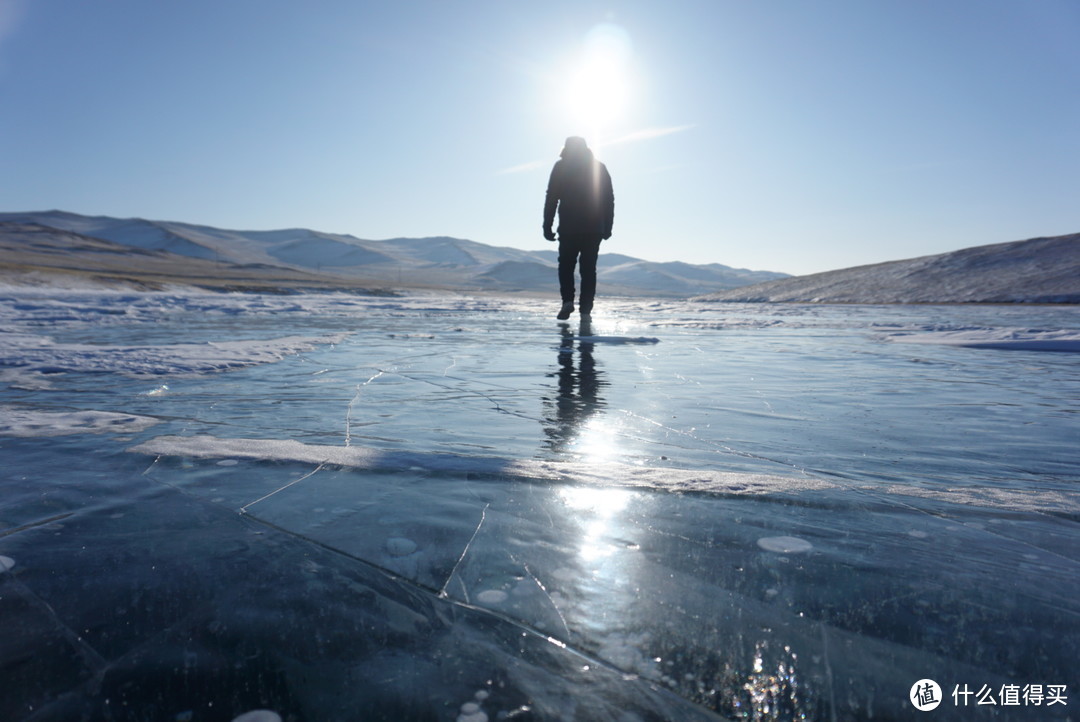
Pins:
x,y
598,510
598,84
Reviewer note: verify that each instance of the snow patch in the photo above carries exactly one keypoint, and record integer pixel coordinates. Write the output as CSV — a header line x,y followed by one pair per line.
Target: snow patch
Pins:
x,y
616,339
209,447
1041,500
600,474
23,422
34,353
1011,339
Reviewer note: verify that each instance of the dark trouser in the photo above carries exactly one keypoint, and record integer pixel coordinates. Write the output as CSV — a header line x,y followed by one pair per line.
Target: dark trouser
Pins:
x,y
570,249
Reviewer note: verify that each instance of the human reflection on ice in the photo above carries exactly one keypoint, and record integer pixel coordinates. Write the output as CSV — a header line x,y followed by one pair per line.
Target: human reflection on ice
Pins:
x,y
596,590
570,417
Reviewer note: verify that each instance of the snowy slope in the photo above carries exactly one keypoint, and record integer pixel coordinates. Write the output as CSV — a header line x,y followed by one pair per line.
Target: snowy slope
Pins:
x,y
316,250
133,232
439,261
1039,270
297,246
519,275
32,254
681,278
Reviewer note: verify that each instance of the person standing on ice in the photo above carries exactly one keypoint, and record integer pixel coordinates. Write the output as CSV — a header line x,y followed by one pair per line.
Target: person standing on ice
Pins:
x,y
580,189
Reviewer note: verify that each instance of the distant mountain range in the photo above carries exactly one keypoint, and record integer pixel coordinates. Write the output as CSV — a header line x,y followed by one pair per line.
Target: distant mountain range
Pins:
x,y
302,258
154,254
1038,270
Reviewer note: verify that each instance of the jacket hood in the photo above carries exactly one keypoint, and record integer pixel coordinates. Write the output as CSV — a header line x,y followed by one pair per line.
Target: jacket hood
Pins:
x,y
575,147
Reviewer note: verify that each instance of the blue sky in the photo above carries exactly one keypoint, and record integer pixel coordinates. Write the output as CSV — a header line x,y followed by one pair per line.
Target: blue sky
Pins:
x,y
789,135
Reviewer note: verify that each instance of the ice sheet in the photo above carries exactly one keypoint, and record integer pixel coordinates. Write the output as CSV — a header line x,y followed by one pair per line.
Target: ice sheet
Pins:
x,y
438,506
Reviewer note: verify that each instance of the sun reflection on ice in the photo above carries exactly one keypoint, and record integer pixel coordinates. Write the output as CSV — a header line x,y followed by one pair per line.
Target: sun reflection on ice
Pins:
x,y
596,441
775,693
602,507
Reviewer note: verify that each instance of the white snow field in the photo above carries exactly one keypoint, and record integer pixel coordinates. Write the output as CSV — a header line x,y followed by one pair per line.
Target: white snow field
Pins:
x,y
338,507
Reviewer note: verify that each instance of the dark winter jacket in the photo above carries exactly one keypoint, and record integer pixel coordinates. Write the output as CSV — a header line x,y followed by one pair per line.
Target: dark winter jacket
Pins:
x,y
580,187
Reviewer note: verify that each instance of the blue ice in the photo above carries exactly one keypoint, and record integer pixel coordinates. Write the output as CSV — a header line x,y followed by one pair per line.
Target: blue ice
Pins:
x,y
455,507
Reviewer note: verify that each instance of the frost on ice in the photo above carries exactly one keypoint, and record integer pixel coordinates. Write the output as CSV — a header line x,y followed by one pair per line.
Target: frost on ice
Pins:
x,y
19,421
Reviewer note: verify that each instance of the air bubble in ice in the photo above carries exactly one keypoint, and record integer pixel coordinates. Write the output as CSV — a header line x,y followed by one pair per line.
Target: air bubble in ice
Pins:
x,y
784,544
400,546
492,596
258,715
471,712
6,563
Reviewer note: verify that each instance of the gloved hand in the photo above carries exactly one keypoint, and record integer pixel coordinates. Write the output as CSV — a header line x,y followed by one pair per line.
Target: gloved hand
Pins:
x,y
549,234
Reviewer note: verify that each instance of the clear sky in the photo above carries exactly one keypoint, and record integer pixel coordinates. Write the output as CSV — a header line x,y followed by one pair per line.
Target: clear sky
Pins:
x,y
788,135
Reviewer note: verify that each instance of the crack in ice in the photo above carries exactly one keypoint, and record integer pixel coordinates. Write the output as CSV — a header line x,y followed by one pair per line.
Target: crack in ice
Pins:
x,y
317,469
472,392
547,595
35,524
483,515
349,408
714,444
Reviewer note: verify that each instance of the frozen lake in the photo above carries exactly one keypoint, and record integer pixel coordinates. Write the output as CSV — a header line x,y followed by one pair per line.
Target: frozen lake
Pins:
x,y
455,508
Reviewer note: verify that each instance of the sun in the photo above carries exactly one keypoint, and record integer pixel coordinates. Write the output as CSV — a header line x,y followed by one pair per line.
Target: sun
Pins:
x,y
597,86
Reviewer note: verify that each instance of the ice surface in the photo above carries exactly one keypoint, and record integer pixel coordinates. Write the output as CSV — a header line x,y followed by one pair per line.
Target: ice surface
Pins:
x,y
456,508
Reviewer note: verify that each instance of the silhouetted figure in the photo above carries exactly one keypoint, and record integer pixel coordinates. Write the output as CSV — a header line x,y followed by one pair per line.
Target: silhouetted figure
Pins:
x,y
580,188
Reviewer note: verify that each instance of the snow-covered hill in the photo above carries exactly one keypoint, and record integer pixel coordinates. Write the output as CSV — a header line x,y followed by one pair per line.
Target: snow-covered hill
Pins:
x,y
32,254
441,261
1038,270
